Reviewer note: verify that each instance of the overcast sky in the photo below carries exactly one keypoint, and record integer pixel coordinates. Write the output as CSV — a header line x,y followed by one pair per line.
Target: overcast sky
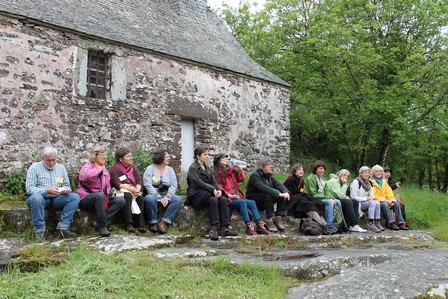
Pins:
x,y
215,4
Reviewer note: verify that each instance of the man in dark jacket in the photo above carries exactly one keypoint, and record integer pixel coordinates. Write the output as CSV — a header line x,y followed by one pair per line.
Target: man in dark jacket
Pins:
x,y
267,191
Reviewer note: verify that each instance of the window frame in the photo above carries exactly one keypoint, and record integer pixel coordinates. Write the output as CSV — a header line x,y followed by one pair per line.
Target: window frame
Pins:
x,y
98,75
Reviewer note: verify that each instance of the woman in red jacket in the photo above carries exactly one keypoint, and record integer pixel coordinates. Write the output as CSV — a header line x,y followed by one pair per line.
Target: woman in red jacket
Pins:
x,y
226,176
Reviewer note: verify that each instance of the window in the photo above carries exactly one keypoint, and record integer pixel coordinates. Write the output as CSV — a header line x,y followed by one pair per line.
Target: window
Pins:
x,y
97,75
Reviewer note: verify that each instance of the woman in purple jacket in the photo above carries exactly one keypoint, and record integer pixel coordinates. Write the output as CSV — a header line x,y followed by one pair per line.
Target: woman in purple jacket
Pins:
x,y
94,190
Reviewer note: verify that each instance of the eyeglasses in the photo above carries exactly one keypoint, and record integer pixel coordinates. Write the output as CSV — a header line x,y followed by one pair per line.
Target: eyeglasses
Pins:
x,y
128,156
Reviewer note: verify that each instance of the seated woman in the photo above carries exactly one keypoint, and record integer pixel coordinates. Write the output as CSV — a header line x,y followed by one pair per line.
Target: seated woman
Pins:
x,y
225,176
337,188
301,205
361,190
161,183
315,187
125,177
384,194
204,192
267,191
94,190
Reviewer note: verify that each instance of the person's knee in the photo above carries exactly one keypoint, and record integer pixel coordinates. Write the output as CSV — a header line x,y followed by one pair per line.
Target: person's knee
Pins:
x,y
36,199
176,200
150,200
73,197
120,201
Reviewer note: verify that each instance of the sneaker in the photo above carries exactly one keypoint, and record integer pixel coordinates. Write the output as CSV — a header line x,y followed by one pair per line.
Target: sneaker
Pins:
x,y
250,228
65,234
227,231
153,228
357,229
393,226
163,227
129,228
379,226
104,232
214,233
373,228
403,227
271,226
39,236
278,220
261,229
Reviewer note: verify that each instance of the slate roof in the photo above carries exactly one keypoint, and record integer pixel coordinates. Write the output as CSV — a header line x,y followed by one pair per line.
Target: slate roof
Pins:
x,y
149,24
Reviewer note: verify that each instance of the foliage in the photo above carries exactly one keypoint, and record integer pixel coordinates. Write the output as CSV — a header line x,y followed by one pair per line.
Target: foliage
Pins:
x,y
140,158
91,275
14,183
368,79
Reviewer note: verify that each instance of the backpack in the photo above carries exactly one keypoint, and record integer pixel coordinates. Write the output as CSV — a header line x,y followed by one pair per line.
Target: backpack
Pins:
x,y
311,227
339,221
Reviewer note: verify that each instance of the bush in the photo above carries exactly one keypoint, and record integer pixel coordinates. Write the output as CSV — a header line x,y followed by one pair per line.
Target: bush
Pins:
x,y
140,158
14,183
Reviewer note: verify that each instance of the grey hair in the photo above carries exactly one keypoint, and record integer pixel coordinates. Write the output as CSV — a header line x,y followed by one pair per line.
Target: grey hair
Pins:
x,y
375,168
263,162
49,150
343,172
363,169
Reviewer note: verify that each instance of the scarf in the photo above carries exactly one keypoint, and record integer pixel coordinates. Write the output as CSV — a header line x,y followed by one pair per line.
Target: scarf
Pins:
x,y
365,184
379,181
128,171
320,184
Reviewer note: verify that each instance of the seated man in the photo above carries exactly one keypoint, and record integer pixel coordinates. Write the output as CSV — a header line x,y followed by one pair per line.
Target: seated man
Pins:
x,y
48,186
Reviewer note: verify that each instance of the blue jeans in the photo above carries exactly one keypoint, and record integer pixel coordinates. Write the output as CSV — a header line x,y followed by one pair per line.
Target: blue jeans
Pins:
x,y
152,203
95,202
243,206
37,203
373,209
329,210
387,211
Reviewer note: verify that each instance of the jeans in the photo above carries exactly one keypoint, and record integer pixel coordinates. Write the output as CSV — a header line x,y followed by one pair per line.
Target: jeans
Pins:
x,y
329,210
37,203
152,203
95,202
350,209
373,209
387,211
243,206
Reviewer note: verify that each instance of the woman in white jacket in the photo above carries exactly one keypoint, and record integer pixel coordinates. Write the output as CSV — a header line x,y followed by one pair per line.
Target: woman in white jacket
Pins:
x,y
361,190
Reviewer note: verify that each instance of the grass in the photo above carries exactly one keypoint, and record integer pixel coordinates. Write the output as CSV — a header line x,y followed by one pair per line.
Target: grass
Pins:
x,y
87,274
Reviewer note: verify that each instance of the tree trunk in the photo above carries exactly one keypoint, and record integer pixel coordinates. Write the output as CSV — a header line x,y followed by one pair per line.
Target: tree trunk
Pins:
x,y
421,178
445,180
430,183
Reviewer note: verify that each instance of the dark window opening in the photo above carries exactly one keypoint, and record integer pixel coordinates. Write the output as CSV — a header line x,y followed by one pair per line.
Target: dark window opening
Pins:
x,y
97,75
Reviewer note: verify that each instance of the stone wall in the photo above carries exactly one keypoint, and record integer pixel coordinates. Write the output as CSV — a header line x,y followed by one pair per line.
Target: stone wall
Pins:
x,y
40,104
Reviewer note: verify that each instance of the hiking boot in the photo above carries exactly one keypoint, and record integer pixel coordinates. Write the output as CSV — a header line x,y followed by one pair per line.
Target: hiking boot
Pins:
x,y
95,226
278,220
214,233
153,228
393,226
357,229
332,230
129,228
163,227
104,232
271,226
226,231
373,228
261,229
379,226
141,230
250,228
403,227
65,234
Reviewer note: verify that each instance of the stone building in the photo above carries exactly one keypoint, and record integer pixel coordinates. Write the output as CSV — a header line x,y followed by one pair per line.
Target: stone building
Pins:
x,y
150,73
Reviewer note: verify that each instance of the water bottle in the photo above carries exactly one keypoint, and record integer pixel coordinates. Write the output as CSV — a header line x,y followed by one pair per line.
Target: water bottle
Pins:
x,y
238,163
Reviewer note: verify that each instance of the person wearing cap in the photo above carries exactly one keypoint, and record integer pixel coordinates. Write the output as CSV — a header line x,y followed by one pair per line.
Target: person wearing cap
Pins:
x,y
226,175
384,194
387,175
264,188
204,192
337,188
361,190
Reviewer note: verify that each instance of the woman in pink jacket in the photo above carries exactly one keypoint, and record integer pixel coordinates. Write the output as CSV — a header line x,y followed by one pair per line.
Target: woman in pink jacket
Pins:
x,y
94,190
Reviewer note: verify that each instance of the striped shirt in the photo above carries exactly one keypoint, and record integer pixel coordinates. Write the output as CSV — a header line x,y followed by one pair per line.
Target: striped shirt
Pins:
x,y
39,178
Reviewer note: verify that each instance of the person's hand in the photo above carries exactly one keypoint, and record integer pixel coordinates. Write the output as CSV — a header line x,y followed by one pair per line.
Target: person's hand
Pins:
x,y
164,201
369,199
398,184
285,195
217,193
66,190
344,179
391,204
53,191
232,196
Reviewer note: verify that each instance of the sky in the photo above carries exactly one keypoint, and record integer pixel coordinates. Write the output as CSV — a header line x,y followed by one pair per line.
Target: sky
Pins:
x,y
215,4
